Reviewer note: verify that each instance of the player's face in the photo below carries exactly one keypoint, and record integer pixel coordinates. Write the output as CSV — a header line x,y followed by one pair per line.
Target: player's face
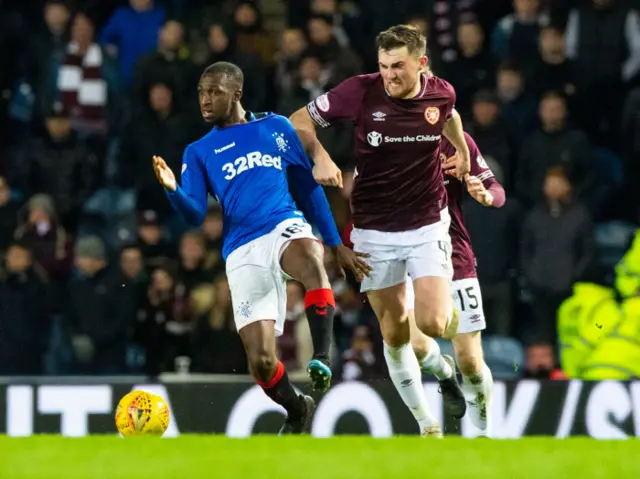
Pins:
x,y
217,94
400,71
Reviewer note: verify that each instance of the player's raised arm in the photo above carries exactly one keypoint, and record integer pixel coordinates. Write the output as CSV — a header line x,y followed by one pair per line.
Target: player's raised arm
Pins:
x,y
455,134
342,103
313,202
190,199
481,183
325,171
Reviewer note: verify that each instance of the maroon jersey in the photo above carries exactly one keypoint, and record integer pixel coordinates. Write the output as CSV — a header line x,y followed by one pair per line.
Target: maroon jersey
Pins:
x,y
398,177
463,259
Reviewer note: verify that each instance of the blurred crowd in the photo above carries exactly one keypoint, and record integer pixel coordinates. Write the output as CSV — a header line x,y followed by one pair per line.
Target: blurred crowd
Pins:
x,y
99,276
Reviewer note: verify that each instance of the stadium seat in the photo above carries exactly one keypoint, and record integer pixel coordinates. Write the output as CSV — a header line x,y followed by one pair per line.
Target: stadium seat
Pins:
x,y
609,166
504,356
612,240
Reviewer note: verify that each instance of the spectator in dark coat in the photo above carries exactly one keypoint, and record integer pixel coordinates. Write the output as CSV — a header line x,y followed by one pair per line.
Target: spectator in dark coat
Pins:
x,y
160,129
155,310
555,144
557,249
168,63
517,103
24,325
553,71
516,35
474,67
99,311
494,235
490,133
155,247
64,167
50,41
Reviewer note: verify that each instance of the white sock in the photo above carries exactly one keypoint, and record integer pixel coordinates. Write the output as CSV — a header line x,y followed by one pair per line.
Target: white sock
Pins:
x,y
406,377
478,391
434,363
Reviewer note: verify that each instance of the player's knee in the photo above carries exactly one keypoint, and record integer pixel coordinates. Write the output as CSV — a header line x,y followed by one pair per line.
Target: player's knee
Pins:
x,y
420,345
395,330
309,264
433,324
263,365
470,364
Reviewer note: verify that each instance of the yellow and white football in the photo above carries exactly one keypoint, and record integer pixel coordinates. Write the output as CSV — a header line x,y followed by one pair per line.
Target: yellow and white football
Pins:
x,y
142,413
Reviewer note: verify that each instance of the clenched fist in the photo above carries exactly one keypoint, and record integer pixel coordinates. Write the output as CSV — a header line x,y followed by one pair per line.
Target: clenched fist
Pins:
x,y
325,171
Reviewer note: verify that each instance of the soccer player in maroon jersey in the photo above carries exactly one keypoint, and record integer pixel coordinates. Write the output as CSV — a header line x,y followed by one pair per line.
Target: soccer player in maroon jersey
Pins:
x,y
477,380
399,203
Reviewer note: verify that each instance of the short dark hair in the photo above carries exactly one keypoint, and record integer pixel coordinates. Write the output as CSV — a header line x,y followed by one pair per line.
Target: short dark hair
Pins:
x,y
127,246
552,28
227,69
19,243
510,66
328,19
173,20
402,36
553,95
62,3
470,21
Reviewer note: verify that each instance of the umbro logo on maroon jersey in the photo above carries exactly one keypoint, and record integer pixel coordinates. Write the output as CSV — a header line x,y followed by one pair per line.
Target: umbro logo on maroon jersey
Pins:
x,y
378,116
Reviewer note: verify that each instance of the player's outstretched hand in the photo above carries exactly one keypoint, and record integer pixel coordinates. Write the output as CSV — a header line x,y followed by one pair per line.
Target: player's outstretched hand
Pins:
x,y
349,259
325,171
164,174
478,192
449,166
456,166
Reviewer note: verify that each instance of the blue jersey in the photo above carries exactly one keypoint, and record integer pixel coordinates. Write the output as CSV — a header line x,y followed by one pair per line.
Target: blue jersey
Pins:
x,y
245,167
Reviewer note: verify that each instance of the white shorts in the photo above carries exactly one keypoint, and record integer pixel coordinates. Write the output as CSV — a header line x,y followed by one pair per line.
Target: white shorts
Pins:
x,y
422,252
257,282
467,298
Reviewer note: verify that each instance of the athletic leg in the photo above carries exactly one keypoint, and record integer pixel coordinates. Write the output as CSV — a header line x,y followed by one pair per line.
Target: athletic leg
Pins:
x,y
386,291
404,370
433,362
434,312
429,266
477,381
258,295
428,353
259,343
303,259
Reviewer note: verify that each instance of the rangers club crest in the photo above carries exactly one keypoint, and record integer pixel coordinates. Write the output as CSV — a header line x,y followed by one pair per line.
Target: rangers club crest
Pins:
x,y
432,114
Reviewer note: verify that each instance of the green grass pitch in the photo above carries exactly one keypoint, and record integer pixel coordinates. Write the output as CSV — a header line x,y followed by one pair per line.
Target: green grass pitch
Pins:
x,y
213,457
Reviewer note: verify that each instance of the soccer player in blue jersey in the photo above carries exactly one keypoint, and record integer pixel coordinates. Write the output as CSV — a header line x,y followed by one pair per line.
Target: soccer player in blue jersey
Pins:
x,y
243,162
